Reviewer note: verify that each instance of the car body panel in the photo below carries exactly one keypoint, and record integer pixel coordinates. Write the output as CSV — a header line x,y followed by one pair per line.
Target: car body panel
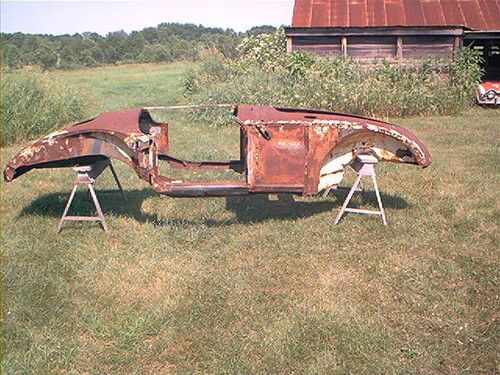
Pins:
x,y
282,149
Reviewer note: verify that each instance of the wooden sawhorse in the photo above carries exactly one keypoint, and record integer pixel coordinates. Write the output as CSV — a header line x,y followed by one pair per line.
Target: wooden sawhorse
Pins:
x,y
86,175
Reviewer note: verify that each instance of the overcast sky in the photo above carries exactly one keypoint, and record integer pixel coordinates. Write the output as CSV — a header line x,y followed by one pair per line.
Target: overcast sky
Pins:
x,y
69,17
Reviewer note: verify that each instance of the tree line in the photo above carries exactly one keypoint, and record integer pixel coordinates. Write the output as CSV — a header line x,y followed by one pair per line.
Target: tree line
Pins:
x,y
163,43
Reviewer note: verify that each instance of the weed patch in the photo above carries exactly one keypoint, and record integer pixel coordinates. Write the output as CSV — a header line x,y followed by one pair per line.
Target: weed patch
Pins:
x,y
33,104
265,74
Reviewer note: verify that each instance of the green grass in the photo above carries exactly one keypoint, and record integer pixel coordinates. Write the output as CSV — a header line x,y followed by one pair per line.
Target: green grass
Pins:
x,y
129,86
251,285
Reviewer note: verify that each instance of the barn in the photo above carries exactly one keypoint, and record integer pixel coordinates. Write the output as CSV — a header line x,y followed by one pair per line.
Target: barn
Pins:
x,y
399,30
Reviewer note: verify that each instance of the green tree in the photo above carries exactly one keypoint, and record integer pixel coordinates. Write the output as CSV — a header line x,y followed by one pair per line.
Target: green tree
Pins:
x,y
46,55
11,56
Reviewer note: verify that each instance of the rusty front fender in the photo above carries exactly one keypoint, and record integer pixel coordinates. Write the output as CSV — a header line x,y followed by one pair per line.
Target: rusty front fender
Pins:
x,y
387,142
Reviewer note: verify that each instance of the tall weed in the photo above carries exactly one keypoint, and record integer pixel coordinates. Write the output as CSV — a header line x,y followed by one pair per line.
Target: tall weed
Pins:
x,y
33,105
264,74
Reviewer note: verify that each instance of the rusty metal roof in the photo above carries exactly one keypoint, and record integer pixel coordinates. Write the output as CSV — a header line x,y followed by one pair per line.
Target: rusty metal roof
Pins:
x,y
475,14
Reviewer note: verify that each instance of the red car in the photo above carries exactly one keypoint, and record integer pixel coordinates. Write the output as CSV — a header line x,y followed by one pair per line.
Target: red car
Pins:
x,y
488,93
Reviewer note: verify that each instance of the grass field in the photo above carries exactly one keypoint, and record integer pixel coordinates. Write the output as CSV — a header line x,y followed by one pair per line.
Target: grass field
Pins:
x,y
252,285
129,86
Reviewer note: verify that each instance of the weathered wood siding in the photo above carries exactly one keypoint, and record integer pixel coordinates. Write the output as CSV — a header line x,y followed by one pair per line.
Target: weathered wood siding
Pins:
x,y
322,45
420,46
367,47
371,47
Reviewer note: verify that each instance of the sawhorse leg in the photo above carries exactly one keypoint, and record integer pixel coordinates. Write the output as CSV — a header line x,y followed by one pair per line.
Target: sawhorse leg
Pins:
x,y
115,176
66,209
99,167
100,215
348,199
379,200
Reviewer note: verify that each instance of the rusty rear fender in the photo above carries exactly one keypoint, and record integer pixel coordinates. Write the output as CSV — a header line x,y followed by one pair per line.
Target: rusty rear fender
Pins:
x,y
121,135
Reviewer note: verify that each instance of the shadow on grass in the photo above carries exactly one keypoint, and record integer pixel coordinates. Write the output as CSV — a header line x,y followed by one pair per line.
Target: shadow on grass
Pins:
x,y
256,208
247,209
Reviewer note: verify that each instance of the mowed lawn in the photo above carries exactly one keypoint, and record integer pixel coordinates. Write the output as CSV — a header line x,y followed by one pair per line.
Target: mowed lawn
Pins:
x,y
256,285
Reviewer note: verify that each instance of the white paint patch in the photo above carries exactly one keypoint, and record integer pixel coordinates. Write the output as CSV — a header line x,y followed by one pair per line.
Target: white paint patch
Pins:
x,y
56,134
321,131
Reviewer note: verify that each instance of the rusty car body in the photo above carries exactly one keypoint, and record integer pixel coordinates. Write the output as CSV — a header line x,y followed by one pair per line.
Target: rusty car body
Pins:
x,y
282,150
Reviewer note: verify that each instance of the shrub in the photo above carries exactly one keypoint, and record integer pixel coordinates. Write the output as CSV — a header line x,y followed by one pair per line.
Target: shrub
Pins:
x,y
466,72
33,105
264,73
267,50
